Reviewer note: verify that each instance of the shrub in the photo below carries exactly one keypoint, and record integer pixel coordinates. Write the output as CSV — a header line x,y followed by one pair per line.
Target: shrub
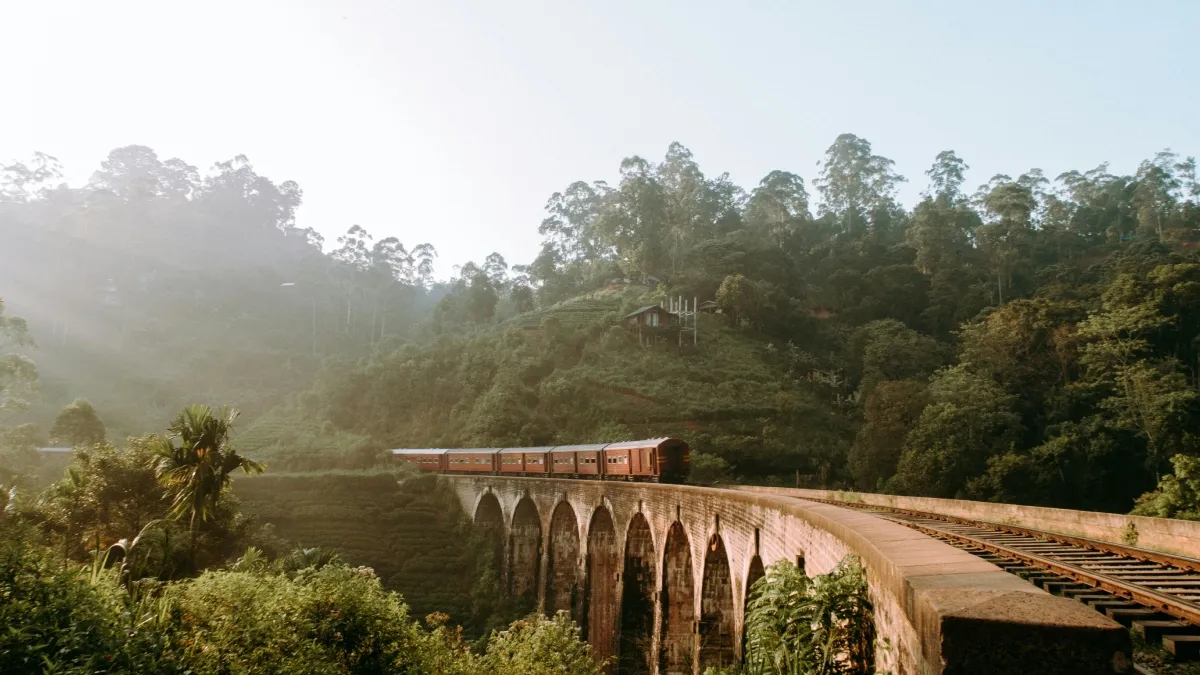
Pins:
x,y
817,626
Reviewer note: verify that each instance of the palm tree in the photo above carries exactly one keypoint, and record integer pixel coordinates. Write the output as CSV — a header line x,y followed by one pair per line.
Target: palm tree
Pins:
x,y
194,461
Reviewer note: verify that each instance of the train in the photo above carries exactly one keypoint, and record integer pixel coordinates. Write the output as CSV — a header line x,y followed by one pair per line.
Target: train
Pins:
x,y
664,460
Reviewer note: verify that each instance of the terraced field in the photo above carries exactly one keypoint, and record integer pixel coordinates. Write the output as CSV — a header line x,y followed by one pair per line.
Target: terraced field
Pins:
x,y
410,533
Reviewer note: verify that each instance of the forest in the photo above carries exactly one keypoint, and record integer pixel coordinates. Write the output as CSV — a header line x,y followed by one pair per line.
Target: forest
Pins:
x,y
1032,340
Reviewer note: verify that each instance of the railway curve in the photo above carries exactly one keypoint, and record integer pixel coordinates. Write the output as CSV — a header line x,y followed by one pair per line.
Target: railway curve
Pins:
x,y
1156,594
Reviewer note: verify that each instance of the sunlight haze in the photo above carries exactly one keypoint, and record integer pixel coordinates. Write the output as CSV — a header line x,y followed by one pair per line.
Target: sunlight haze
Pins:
x,y
453,122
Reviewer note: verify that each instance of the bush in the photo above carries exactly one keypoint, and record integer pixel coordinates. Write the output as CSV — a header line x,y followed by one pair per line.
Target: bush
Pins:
x,y
817,626
537,645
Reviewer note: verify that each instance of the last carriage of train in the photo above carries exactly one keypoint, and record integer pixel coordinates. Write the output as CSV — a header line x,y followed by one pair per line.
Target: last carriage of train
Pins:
x,y
656,460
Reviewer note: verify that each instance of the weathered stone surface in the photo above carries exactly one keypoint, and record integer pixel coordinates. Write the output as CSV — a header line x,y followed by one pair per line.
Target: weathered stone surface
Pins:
x,y
937,609
525,553
562,570
603,565
1180,537
638,599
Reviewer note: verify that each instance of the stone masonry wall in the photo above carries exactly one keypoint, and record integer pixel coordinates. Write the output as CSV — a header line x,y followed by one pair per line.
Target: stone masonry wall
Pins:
x,y
1179,537
938,610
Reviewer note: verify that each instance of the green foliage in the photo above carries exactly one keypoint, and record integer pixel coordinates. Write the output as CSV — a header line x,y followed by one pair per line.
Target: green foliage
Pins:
x,y
108,493
411,531
332,619
328,618
18,374
77,425
796,625
69,619
709,469
1177,494
197,470
538,645
1046,330
968,420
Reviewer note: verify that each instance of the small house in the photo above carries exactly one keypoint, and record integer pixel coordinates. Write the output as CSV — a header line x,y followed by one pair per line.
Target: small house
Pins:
x,y
651,324
709,307
650,316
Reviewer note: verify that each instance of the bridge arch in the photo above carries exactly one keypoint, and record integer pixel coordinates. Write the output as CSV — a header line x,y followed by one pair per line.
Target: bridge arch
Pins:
x,y
754,572
716,607
563,592
525,554
678,652
603,566
637,599
489,521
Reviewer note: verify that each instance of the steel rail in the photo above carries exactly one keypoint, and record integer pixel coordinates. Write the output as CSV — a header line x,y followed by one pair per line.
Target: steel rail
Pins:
x,y
1166,603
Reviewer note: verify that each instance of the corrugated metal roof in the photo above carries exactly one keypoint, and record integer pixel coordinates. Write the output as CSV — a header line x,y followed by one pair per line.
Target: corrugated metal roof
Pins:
x,y
573,448
426,451
644,309
517,451
55,450
648,443
474,451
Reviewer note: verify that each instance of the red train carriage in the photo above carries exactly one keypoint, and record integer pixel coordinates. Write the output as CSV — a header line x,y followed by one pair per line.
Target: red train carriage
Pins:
x,y
588,460
656,459
429,459
666,459
512,461
472,460
536,461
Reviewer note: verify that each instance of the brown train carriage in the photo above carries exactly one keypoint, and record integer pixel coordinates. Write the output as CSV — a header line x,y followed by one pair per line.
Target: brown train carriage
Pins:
x,y
537,461
512,461
472,460
563,463
588,459
427,459
656,459
665,459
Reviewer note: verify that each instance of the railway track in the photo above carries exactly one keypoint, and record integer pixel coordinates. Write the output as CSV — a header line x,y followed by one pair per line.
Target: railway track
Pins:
x,y
1155,594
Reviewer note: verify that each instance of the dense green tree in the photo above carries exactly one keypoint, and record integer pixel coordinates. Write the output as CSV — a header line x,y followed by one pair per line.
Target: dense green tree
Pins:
x,y
968,420
778,207
77,425
890,412
855,184
18,374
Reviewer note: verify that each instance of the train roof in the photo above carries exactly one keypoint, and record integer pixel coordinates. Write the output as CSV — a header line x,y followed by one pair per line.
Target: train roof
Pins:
x,y
584,448
648,443
623,445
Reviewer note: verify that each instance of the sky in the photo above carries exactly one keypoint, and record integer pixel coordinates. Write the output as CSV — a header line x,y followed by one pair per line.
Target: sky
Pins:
x,y
453,122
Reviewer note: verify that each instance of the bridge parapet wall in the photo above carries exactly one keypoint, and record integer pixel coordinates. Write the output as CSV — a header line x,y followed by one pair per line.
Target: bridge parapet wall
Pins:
x,y
938,610
1167,535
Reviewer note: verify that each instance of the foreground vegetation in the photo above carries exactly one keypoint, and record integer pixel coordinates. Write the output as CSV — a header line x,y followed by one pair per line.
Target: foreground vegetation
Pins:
x,y
140,560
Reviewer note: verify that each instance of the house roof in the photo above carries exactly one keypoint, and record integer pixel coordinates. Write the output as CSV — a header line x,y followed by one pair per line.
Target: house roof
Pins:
x,y
643,310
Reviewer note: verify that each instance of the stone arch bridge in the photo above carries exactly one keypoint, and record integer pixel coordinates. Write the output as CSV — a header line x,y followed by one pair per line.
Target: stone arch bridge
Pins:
x,y
657,577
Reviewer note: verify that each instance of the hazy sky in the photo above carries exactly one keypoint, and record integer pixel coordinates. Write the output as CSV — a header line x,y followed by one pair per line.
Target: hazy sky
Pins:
x,y
453,122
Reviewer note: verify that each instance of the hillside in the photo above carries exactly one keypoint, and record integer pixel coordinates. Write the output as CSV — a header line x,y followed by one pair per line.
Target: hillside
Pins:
x,y
1033,341
569,373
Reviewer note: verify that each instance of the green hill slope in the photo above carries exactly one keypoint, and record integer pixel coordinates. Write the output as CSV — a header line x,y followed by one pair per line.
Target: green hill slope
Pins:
x,y
570,373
